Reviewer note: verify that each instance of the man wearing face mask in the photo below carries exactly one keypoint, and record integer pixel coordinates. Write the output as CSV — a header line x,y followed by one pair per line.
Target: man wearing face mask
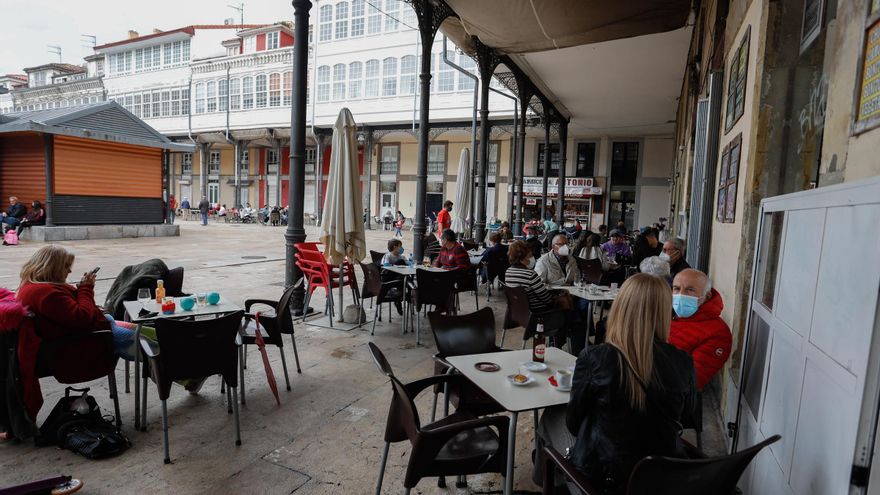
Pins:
x,y
697,327
557,267
673,253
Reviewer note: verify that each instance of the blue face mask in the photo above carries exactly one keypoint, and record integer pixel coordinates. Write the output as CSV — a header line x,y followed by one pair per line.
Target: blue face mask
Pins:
x,y
685,306
401,251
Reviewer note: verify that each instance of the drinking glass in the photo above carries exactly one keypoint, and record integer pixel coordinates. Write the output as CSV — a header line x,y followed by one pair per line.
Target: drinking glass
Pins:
x,y
202,299
143,296
614,289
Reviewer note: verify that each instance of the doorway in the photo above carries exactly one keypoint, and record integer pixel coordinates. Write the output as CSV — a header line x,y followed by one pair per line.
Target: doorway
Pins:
x,y
622,207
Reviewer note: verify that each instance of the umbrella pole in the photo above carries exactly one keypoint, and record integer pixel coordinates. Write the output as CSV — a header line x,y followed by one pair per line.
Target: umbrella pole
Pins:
x,y
341,291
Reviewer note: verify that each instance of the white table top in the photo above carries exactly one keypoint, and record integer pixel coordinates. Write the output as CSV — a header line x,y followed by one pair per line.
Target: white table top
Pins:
x,y
602,295
133,308
410,271
536,395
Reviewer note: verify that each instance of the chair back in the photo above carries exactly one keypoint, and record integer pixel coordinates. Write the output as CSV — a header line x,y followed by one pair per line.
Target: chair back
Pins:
x,y
380,360
403,417
497,265
456,335
284,314
468,244
174,283
307,246
518,312
467,279
591,270
376,257
434,287
372,280
189,349
668,476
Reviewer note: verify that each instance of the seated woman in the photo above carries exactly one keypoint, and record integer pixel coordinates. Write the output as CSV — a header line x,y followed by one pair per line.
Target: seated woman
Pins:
x,y
36,216
61,309
589,247
628,394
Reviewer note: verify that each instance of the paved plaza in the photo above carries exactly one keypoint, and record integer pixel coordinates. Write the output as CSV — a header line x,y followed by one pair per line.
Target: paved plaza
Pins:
x,y
327,435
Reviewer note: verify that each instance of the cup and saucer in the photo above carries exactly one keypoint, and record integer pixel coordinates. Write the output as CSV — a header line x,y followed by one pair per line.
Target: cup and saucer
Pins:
x,y
561,380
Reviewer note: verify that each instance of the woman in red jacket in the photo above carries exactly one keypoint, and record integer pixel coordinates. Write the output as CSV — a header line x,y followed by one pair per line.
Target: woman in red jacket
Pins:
x,y
61,309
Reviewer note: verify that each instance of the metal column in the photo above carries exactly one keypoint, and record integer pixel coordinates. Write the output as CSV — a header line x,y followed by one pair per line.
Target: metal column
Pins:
x,y
563,151
487,60
546,166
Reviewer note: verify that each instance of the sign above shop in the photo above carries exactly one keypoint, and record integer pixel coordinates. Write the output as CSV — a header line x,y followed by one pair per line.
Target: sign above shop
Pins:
x,y
575,187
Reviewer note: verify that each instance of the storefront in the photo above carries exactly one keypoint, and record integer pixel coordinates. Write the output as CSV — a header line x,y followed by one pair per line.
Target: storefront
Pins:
x,y
583,199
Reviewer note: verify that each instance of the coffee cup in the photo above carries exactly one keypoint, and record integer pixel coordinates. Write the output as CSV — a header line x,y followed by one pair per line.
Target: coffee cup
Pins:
x,y
187,303
563,378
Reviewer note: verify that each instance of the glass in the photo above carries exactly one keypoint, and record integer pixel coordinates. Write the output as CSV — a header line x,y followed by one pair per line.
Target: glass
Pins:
x,y
143,296
202,299
427,262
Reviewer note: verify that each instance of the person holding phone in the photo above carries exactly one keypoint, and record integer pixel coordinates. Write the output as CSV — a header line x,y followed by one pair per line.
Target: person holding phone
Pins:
x,y
61,309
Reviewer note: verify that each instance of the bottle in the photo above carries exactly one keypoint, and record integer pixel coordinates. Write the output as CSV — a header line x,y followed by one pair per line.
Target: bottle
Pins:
x,y
538,343
160,292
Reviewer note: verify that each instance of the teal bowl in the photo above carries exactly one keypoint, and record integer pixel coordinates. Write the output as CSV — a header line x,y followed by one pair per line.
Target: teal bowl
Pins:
x,y
213,298
187,303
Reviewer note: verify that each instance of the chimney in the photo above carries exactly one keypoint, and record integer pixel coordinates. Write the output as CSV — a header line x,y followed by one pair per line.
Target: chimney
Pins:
x,y
156,30
132,34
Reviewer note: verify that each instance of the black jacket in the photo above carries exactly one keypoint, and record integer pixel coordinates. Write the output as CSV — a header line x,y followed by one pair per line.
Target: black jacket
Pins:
x,y
643,250
16,211
611,436
204,206
678,266
537,248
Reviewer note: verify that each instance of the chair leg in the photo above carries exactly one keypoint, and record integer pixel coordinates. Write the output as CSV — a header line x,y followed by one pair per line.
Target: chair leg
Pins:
x,y
434,406
127,366
235,413
244,356
295,353
461,482
228,397
382,468
477,299
375,318
114,393
418,328
699,440
165,429
524,344
241,377
222,387
284,365
144,403
503,334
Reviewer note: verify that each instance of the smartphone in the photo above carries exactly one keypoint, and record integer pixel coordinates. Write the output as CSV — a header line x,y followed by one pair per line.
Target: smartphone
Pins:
x,y
95,270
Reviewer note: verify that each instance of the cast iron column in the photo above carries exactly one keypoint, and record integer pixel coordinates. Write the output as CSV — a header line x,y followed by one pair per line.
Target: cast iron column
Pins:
x,y
487,60
430,15
563,147
546,165
297,178
520,166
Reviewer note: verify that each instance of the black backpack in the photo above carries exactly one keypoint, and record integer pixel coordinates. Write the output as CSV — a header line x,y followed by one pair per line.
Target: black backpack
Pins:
x,y
76,424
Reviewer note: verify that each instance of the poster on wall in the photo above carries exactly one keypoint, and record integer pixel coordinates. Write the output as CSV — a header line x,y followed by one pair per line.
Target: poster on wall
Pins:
x,y
730,211
869,96
719,210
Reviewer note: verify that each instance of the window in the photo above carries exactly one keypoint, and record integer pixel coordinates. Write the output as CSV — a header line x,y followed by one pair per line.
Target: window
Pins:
x,y
392,11
272,158
389,156
554,159
184,101
166,103
214,192
341,20
465,83
184,56
175,102
339,82
408,75
157,57
624,163
139,59
323,83
200,100
727,180
389,77
272,40
494,151
222,95
311,155
186,167
437,159
250,44
371,84
374,20
146,110
325,26
234,94
274,90
736,83
247,93
212,96
409,16
585,160
157,103
445,73
214,163
287,88
244,162
136,110
355,72
260,90
357,18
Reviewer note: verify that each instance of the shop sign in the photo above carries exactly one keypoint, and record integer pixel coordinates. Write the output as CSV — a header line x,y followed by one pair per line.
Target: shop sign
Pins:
x,y
575,187
869,99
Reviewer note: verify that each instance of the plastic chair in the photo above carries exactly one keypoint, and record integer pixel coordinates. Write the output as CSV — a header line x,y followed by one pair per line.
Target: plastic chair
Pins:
x,y
376,257
456,445
437,290
375,288
173,357
321,274
519,314
494,267
657,475
272,326
591,270
467,282
694,419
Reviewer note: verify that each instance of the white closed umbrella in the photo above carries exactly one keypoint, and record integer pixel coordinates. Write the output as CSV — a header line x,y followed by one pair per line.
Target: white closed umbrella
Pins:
x,y
464,184
342,229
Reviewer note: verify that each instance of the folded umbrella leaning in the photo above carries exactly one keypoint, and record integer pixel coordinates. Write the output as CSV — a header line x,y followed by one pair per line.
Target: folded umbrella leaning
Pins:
x,y
464,185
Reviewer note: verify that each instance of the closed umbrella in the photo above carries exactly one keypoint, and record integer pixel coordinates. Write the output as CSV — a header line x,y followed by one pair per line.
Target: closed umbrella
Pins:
x,y
342,229
464,185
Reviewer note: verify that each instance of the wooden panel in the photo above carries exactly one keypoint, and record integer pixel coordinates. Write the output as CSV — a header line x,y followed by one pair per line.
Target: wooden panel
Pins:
x,y
86,167
22,168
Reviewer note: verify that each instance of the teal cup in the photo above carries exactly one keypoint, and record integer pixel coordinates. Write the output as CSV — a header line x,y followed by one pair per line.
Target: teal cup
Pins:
x,y
213,298
187,303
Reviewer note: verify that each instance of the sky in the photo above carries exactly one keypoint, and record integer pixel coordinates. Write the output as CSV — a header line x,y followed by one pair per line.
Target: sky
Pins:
x,y
29,26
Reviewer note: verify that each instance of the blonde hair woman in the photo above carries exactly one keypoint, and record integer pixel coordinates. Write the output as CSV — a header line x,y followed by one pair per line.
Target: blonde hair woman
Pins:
x,y
61,309
628,394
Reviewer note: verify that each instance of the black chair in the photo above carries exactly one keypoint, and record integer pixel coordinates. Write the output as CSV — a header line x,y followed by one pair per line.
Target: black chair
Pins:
x,y
456,445
469,245
376,257
375,288
494,268
272,325
591,270
192,349
433,288
467,282
519,314
694,419
664,475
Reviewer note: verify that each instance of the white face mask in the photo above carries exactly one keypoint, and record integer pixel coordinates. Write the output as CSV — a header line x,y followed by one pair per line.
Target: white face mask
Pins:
x,y
563,250
531,264
664,257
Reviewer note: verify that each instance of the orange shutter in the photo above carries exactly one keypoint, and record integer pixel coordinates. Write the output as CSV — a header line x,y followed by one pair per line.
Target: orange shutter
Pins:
x,y
22,168
87,167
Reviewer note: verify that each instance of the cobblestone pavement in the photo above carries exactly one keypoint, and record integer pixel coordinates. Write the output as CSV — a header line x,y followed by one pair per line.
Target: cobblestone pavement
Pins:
x,y
327,435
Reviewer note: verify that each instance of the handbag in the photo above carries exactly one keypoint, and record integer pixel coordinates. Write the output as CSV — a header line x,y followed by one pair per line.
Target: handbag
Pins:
x,y
11,238
76,424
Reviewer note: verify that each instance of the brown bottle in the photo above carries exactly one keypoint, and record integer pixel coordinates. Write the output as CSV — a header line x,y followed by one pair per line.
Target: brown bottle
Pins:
x,y
538,343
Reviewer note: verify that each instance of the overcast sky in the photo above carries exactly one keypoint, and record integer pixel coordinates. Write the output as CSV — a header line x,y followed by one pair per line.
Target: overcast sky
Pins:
x,y
30,25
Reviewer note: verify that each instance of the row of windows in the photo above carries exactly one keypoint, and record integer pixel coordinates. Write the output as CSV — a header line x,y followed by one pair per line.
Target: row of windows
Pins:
x,y
155,57
245,93
72,102
356,18
171,102
389,158
389,77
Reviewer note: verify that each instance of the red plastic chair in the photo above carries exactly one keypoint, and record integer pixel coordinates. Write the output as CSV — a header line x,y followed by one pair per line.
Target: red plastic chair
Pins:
x,y
321,274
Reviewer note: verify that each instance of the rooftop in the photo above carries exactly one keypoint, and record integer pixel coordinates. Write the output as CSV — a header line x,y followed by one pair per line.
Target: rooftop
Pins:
x,y
67,68
191,30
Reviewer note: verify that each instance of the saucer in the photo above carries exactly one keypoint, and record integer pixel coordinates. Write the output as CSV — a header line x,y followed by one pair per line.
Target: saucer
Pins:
x,y
518,384
534,366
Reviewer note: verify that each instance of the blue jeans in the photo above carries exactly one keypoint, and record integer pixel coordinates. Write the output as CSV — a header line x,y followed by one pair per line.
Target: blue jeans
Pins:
x,y
123,340
205,218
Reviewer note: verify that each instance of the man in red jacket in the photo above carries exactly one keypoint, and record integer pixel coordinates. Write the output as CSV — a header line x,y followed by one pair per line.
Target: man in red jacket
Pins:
x,y
697,327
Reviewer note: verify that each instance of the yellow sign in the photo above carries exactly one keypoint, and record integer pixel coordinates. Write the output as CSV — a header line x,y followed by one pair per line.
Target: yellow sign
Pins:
x,y
869,101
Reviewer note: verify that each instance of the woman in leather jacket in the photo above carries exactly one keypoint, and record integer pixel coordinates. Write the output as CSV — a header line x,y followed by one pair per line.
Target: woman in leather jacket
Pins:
x,y
629,393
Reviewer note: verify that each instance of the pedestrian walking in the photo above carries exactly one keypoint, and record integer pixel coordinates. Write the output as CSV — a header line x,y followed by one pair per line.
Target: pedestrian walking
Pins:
x,y
172,209
204,206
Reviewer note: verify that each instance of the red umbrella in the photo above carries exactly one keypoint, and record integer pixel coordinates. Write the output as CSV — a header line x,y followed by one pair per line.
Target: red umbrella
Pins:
x,y
261,344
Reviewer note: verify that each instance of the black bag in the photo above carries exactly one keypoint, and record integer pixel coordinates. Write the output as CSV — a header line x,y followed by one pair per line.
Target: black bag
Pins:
x,y
76,424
